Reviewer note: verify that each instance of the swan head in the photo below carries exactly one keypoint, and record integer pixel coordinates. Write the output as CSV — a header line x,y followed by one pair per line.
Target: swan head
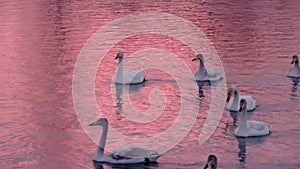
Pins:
x,y
199,57
243,105
211,162
100,122
120,54
295,59
231,90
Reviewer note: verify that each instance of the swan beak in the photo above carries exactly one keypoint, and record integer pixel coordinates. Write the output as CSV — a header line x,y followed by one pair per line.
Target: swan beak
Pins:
x,y
292,62
228,96
92,124
194,59
118,56
241,109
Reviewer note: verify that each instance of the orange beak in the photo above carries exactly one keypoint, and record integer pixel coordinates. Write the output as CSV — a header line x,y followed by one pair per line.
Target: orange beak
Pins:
x,y
117,56
228,96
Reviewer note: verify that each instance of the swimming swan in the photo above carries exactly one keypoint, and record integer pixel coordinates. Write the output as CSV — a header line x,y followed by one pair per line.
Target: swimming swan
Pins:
x,y
233,104
206,74
249,128
127,77
212,162
123,155
295,71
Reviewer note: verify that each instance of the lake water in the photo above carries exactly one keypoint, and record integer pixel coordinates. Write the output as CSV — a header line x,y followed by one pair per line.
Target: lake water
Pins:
x,y
39,47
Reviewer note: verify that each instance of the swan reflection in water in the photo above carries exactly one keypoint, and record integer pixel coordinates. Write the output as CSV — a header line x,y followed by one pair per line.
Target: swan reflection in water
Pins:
x,y
98,165
205,85
249,141
201,85
119,94
234,116
294,86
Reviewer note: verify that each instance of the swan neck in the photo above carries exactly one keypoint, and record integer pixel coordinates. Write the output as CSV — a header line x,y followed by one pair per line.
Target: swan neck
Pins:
x,y
201,65
119,91
120,70
236,101
120,60
243,122
102,142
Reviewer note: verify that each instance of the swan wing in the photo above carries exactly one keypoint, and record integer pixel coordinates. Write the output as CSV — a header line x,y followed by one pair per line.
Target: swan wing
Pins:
x,y
208,75
251,103
130,155
133,77
116,159
294,72
134,152
211,72
258,125
258,128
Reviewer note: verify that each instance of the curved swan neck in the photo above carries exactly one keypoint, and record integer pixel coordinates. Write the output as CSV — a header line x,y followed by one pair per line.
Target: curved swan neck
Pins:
x,y
102,142
243,122
119,91
235,104
201,65
236,95
236,92
120,70
120,60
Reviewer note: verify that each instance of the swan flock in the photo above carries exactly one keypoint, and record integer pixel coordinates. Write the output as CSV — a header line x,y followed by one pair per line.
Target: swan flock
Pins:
x,y
240,104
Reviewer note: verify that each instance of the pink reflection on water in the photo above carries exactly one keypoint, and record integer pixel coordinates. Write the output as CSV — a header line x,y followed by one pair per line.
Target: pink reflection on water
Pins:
x,y
38,49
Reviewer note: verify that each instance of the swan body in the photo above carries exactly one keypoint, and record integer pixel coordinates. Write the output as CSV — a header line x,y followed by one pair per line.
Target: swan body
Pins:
x,y
206,74
123,155
295,71
250,128
128,157
233,103
254,128
127,77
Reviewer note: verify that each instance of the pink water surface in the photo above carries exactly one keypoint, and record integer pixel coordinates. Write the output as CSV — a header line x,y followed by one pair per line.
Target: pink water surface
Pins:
x,y
40,42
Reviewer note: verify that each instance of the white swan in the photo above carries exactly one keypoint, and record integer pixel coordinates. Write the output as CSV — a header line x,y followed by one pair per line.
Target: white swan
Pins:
x,y
249,128
233,103
127,77
295,71
123,155
206,74
212,162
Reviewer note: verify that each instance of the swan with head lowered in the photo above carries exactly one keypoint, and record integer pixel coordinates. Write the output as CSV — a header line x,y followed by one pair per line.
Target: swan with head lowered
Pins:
x,y
295,71
206,74
234,103
250,128
127,77
123,155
